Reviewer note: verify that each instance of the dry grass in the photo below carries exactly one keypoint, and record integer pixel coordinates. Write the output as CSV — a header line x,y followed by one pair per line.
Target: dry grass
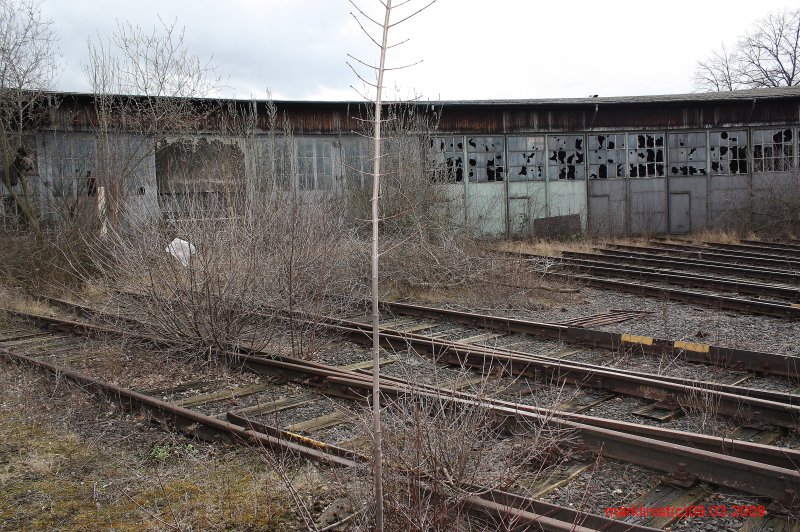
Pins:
x,y
548,248
720,236
70,462
13,299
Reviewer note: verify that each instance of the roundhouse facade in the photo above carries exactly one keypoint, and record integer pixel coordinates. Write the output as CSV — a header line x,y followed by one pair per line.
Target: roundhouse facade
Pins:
x,y
622,165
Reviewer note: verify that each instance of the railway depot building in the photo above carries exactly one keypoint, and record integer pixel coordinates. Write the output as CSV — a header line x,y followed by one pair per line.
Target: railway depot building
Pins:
x,y
600,165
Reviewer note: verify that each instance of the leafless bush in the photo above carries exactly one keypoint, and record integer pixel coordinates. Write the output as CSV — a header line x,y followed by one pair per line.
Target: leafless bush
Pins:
x,y
702,409
286,256
39,264
437,454
775,207
414,204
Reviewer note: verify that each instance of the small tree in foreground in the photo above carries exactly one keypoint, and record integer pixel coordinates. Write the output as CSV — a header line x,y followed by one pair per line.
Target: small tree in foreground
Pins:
x,y
382,44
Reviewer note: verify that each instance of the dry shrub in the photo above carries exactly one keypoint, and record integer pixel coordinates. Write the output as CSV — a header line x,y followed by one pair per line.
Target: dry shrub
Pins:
x,y
42,264
702,412
438,453
776,207
275,254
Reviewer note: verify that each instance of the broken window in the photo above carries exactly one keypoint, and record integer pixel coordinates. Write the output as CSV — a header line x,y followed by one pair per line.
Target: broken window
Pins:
x,y
566,159
357,161
275,166
447,154
728,152
196,165
606,156
485,159
646,154
526,158
74,160
687,153
315,163
772,150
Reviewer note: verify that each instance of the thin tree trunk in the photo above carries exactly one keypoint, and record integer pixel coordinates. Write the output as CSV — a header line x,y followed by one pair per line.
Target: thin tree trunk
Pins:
x,y
376,368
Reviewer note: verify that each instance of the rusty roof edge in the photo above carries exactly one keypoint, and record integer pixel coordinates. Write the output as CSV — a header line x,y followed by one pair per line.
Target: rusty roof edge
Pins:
x,y
694,97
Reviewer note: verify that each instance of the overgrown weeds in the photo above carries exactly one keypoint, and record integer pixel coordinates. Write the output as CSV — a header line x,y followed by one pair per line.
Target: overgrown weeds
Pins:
x,y
438,453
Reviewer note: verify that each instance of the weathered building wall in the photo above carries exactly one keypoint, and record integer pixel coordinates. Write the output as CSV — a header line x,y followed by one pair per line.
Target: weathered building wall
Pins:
x,y
511,168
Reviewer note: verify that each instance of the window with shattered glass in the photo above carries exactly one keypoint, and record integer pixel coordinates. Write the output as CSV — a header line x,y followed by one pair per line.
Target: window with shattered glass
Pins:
x,y
485,160
447,154
315,166
565,157
728,150
687,153
526,158
772,150
646,155
606,156
275,164
74,168
357,161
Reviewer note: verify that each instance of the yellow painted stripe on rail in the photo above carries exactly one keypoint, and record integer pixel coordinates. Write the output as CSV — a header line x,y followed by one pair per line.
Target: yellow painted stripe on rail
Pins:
x,y
634,339
307,441
795,305
689,346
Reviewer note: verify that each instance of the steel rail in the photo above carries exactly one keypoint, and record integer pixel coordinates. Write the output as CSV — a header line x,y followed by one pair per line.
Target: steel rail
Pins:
x,y
598,265
767,251
670,255
739,473
767,454
751,476
728,249
743,246
692,252
183,418
697,246
794,246
747,306
735,472
621,257
715,444
497,504
653,387
779,408
762,362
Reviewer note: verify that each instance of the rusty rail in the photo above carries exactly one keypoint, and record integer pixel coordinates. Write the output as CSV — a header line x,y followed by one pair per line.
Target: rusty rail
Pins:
x,y
761,362
495,504
626,258
598,265
746,475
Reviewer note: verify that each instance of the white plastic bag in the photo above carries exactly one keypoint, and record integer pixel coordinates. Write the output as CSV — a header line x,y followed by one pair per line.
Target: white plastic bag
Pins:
x,y
181,250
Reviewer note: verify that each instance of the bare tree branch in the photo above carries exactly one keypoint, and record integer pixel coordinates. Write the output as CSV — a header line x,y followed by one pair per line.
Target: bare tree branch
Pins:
x,y
767,56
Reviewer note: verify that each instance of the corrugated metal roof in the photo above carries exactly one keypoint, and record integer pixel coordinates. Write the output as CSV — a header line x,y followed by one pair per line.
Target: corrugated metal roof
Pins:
x,y
696,97
693,97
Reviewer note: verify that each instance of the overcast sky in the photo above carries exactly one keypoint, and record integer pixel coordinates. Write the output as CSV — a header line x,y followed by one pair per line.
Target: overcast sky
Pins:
x,y
470,49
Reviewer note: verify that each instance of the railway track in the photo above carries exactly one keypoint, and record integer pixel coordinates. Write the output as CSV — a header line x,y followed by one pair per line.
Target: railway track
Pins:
x,y
738,359
647,446
668,263
718,255
794,245
743,250
749,404
37,348
767,249
599,266
629,257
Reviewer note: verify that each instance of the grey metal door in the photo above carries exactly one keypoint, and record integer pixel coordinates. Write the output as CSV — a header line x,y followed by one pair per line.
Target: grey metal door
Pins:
x,y
518,216
680,220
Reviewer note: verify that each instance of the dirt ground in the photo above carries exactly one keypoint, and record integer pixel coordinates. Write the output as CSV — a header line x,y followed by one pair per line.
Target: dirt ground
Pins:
x,y
72,461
